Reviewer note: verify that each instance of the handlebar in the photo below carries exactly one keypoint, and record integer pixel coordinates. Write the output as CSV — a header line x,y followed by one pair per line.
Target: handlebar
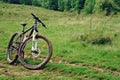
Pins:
x,y
39,20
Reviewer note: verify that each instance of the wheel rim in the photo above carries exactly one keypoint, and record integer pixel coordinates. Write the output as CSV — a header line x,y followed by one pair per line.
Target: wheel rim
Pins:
x,y
13,49
32,60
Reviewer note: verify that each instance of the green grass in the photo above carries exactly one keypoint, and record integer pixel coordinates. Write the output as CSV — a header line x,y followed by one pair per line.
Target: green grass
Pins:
x,y
75,57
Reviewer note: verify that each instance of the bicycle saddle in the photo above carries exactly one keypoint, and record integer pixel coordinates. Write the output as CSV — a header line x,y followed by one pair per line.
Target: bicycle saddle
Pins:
x,y
23,24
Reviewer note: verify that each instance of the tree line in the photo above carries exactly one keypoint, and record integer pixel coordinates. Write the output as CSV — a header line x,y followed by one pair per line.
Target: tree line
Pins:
x,y
86,6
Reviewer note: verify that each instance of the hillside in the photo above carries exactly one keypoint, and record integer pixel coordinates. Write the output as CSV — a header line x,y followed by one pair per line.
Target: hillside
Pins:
x,y
86,47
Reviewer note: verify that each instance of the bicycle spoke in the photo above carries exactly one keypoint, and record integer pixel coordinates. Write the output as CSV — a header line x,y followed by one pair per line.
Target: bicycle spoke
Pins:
x,y
37,55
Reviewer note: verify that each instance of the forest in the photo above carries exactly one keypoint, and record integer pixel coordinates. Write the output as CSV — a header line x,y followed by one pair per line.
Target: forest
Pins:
x,y
84,6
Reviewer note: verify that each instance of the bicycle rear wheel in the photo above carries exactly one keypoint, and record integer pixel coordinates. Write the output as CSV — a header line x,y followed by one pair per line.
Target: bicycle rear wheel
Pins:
x,y
12,49
35,59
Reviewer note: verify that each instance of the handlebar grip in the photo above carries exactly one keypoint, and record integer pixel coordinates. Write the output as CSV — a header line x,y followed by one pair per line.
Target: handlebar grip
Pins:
x,y
44,25
40,21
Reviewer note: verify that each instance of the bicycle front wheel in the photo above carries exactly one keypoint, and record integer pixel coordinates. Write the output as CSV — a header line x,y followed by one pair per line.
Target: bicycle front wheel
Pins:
x,y
35,59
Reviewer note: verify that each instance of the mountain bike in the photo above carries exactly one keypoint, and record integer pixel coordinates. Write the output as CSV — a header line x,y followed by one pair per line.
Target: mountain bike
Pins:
x,y
33,50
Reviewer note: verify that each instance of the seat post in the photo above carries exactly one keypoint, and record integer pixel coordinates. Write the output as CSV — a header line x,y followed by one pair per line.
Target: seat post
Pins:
x,y
23,29
23,25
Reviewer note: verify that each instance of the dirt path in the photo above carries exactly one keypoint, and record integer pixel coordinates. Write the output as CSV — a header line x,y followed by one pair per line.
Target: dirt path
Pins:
x,y
101,70
19,70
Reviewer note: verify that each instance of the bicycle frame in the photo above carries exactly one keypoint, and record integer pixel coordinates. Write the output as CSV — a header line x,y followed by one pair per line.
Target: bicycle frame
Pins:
x,y
33,32
27,47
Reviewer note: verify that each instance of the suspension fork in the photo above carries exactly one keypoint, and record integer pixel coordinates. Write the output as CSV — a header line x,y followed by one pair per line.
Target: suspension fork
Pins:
x,y
34,41
34,38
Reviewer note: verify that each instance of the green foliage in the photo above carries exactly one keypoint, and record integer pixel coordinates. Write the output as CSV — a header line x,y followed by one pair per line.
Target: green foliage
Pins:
x,y
28,2
61,5
67,5
36,3
88,6
79,5
5,0
110,5
53,4
96,39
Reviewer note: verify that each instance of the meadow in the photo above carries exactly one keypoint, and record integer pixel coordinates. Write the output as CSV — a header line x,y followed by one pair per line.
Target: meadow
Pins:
x,y
85,47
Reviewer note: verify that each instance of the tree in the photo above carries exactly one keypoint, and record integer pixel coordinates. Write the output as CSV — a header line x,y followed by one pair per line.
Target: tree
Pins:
x,y
22,1
67,5
28,2
14,1
89,6
5,0
60,5
36,3
53,4
79,5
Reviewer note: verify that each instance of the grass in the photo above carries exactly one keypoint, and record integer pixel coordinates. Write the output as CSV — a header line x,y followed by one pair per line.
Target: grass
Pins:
x,y
74,55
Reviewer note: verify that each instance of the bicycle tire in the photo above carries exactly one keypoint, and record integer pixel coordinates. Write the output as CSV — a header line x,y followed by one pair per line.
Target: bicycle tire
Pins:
x,y
12,51
40,61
